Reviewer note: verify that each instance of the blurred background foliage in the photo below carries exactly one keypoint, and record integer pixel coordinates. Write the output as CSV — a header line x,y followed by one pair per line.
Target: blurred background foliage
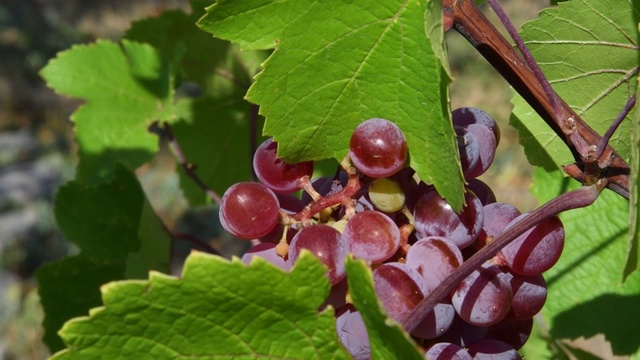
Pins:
x,y
37,148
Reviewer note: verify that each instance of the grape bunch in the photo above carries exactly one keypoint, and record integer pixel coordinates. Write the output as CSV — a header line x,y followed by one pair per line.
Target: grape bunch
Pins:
x,y
377,209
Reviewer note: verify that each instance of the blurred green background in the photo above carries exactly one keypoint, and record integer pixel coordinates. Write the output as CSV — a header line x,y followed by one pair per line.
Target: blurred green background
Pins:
x,y
37,148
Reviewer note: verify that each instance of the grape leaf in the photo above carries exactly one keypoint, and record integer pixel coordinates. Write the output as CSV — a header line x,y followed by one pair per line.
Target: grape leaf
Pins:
x,y
588,49
127,86
387,339
214,128
339,63
218,309
109,223
585,293
633,246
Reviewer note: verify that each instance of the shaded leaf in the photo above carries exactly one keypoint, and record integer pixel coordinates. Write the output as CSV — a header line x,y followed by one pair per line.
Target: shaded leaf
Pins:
x,y
109,223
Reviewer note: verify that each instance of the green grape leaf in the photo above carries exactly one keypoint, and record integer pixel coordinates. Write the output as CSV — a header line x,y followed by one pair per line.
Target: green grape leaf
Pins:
x,y
588,49
387,339
126,86
337,64
218,309
585,293
109,223
215,123
633,247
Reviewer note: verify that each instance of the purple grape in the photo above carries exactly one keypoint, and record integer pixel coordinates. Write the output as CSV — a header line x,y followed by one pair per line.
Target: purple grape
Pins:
x,y
378,148
352,332
371,236
289,203
437,322
493,350
249,210
486,142
537,249
327,244
462,333
529,295
435,217
466,116
266,251
482,191
278,175
513,332
496,218
397,289
446,351
469,150
434,258
484,297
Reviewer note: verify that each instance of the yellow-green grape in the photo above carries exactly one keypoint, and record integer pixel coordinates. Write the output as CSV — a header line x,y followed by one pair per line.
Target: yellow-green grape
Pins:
x,y
386,195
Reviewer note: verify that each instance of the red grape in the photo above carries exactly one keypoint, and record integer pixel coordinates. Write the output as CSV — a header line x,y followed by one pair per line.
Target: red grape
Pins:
x,y
249,210
278,175
378,148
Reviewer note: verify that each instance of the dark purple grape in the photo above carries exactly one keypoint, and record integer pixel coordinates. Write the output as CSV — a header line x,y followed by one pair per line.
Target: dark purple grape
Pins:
x,y
378,148
446,351
496,218
278,175
486,142
469,150
435,217
249,210
289,203
352,332
371,236
482,191
513,332
266,251
493,350
529,295
484,297
434,258
437,322
462,333
337,296
327,244
466,116
537,249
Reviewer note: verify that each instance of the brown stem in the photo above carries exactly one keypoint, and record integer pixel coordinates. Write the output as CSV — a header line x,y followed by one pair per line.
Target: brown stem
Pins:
x,y
188,168
578,198
579,137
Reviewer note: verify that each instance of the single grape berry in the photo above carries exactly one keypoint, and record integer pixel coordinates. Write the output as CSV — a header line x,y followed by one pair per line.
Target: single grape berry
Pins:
x,y
378,148
372,236
249,210
537,249
466,116
278,175
326,243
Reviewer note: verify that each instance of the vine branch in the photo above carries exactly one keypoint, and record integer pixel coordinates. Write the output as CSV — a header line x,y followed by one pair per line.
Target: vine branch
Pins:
x,y
466,18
